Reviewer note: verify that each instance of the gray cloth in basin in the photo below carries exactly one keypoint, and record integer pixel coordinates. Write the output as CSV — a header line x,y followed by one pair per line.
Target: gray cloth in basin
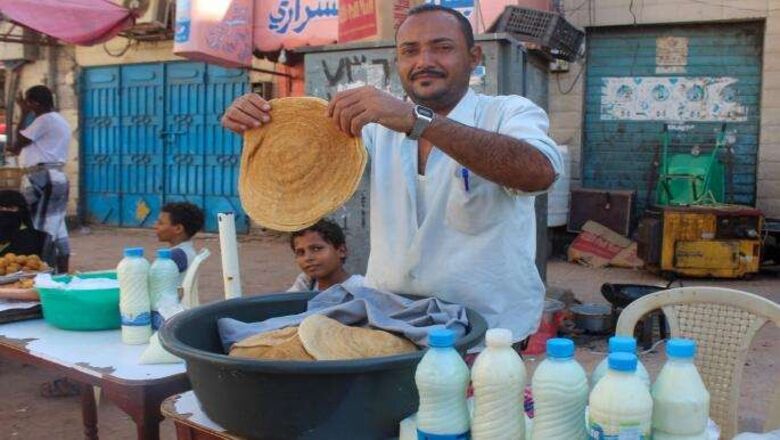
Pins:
x,y
362,306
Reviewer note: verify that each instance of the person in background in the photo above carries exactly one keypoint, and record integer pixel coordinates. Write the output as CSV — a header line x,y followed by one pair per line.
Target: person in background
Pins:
x,y
177,225
17,234
320,251
42,147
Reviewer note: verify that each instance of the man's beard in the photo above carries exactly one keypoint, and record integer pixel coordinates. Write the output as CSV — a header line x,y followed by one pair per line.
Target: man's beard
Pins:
x,y
446,99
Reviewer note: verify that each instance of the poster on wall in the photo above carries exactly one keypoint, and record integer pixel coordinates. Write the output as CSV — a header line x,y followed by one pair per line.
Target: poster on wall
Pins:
x,y
290,24
671,99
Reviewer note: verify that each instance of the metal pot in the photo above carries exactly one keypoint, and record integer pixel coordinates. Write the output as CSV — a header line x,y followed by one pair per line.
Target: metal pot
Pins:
x,y
593,318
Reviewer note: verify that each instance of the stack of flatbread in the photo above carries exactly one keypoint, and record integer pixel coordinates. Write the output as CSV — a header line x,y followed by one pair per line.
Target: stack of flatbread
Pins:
x,y
299,167
323,339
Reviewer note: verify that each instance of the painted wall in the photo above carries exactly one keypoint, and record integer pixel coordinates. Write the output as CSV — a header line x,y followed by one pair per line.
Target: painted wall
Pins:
x,y
63,77
566,89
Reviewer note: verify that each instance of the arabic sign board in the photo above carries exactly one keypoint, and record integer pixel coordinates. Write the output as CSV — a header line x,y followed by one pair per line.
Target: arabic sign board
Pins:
x,y
370,19
215,32
289,24
671,99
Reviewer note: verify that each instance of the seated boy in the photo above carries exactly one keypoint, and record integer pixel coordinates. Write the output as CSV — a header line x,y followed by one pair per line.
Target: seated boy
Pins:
x,y
177,224
320,251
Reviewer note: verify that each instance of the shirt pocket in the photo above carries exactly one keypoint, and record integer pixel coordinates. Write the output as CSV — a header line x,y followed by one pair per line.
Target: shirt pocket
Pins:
x,y
477,208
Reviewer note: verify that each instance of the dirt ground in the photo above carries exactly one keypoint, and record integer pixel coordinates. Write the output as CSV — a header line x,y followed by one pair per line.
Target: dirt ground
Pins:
x,y
267,266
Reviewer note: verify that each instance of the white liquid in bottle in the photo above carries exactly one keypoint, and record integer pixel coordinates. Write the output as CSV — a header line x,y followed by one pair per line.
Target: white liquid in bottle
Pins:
x,y
620,404
560,388
442,378
498,378
681,402
163,284
134,305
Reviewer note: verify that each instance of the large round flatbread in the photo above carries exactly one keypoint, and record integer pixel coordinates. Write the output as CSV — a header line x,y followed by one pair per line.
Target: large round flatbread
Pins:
x,y
327,339
283,344
299,167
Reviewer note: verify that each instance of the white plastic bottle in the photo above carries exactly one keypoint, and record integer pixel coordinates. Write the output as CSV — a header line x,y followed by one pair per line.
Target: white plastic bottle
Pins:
x,y
681,402
620,404
498,379
134,306
560,387
163,284
442,378
620,344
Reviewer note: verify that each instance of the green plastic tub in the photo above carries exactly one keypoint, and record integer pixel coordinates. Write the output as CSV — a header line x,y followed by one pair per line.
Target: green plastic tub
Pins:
x,y
83,310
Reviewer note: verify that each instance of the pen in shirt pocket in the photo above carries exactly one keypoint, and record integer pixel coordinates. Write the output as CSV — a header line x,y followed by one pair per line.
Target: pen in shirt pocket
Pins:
x,y
464,172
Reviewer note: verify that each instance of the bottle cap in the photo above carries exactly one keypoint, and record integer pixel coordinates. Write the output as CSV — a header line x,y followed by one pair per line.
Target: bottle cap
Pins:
x,y
560,348
622,344
134,252
622,361
498,337
441,337
681,348
164,253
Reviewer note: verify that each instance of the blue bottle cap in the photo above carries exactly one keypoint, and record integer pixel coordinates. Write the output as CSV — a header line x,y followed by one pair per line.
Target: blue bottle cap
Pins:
x,y
681,348
164,253
134,252
560,348
622,344
441,337
622,361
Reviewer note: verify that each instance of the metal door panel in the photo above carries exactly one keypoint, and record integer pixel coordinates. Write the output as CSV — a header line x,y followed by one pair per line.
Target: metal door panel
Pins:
x,y
142,155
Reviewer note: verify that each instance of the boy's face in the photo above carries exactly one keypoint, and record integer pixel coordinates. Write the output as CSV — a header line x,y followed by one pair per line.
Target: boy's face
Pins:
x,y
166,231
316,257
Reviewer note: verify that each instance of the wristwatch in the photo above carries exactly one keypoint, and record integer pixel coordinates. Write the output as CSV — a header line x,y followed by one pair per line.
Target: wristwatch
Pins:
x,y
423,116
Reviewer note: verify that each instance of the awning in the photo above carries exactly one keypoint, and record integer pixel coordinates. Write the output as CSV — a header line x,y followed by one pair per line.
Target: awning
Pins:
x,y
82,22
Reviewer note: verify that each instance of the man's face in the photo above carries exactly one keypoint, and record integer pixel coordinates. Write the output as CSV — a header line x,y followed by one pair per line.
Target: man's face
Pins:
x,y
166,232
434,61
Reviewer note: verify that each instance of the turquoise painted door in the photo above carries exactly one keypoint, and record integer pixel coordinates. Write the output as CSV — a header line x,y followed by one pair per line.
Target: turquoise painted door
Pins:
x,y
693,77
100,162
152,135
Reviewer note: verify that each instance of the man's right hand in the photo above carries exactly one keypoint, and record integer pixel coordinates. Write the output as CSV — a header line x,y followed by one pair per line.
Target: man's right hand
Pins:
x,y
246,112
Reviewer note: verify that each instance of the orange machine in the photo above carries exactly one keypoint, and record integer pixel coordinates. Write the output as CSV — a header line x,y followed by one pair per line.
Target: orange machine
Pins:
x,y
721,241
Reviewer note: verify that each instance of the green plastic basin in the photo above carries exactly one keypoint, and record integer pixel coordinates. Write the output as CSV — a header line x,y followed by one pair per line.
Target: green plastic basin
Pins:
x,y
83,310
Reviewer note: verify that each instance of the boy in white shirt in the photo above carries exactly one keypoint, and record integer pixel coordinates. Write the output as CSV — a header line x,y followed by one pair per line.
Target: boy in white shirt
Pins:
x,y
177,225
320,251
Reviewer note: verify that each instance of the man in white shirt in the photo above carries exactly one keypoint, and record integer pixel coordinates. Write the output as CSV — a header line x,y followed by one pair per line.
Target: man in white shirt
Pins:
x,y
468,235
43,150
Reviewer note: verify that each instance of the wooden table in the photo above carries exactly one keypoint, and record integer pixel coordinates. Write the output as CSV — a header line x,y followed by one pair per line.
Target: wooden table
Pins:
x,y
190,420
98,359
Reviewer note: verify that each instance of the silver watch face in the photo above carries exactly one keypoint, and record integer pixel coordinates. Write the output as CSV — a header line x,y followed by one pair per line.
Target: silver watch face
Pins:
x,y
424,111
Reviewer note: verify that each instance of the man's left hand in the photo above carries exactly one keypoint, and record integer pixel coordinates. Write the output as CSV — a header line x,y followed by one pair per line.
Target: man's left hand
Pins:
x,y
352,109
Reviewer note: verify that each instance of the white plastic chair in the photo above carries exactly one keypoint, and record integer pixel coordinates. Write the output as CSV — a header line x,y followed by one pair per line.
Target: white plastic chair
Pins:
x,y
723,323
189,286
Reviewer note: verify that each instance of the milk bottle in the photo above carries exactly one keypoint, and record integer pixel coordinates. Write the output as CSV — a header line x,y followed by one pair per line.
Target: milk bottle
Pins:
x,y
498,379
681,403
163,284
133,274
620,344
442,378
620,404
560,388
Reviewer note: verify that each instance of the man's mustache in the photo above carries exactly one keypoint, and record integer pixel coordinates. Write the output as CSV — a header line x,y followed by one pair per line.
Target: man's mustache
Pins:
x,y
430,72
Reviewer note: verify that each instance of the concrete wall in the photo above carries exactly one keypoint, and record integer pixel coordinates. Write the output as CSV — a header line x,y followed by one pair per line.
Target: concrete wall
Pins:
x,y
566,108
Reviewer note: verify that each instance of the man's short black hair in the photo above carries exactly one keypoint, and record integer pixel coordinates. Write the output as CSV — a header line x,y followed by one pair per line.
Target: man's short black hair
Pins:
x,y
465,25
42,95
185,214
328,230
